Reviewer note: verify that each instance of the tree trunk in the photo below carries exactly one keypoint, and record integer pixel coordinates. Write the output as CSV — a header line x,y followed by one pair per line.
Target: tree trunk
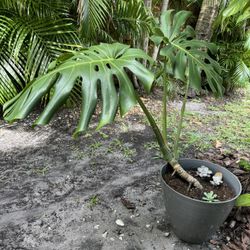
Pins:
x,y
148,4
164,7
208,13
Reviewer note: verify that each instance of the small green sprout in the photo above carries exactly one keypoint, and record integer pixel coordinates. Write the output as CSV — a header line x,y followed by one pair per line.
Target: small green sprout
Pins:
x,y
210,197
94,200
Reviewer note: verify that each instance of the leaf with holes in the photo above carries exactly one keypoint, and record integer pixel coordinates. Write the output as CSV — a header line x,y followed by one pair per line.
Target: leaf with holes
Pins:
x,y
188,57
99,67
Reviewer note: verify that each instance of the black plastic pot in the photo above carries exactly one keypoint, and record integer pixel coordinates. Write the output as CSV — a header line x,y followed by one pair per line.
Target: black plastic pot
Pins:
x,y
194,221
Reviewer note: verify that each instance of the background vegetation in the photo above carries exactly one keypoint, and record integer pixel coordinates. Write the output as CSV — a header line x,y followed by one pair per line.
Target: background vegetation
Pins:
x,y
34,33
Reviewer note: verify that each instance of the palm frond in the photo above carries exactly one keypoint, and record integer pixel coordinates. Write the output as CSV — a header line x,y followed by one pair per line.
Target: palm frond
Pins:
x,y
27,47
131,19
241,74
239,9
92,16
38,8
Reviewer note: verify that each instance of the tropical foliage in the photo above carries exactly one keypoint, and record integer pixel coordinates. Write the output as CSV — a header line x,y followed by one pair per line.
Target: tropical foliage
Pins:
x,y
105,67
186,54
233,40
110,21
99,67
32,35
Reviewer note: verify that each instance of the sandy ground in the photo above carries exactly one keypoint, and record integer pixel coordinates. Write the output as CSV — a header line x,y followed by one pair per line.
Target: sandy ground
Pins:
x,y
62,194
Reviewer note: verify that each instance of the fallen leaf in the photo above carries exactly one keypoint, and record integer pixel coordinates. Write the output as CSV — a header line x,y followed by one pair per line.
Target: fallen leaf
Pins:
x,y
217,144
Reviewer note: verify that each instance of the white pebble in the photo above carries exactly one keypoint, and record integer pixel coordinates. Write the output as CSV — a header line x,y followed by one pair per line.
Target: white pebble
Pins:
x,y
96,227
166,234
104,235
147,226
119,222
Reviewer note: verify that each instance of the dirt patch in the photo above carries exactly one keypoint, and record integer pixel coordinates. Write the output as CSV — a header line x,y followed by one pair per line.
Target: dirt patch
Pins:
x,y
10,139
60,193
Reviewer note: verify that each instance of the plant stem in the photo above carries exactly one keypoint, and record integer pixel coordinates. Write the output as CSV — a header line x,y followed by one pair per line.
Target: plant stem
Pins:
x,y
167,155
179,129
163,146
164,103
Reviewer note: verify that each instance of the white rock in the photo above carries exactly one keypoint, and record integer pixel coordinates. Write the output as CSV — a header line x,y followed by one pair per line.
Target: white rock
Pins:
x,y
112,239
96,227
148,226
120,223
217,179
104,235
204,171
166,234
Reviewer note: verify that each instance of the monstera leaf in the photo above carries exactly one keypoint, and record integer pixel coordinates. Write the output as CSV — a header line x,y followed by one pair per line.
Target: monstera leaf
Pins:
x,y
188,57
99,69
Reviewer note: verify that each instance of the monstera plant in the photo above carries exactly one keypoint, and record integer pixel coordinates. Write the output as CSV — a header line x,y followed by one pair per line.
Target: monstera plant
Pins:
x,y
188,59
104,69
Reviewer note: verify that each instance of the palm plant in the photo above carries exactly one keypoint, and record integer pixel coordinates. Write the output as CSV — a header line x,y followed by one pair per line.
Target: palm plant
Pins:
x,y
32,35
104,69
233,39
119,20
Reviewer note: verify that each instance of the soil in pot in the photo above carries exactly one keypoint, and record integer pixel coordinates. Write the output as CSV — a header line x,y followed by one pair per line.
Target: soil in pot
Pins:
x,y
224,192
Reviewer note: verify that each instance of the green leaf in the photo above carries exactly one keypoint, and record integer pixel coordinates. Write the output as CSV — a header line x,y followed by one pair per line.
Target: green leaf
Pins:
x,y
243,200
100,67
238,8
244,164
156,39
92,15
245,15
194,76
179,20
180,65
188,56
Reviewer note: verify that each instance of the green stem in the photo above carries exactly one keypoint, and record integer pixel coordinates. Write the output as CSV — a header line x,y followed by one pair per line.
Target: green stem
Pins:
x,y
167,156
163,146
164,103
179,129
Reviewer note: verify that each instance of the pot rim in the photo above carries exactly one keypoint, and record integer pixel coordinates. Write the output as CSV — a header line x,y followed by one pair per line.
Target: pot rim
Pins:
x,y
201,201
